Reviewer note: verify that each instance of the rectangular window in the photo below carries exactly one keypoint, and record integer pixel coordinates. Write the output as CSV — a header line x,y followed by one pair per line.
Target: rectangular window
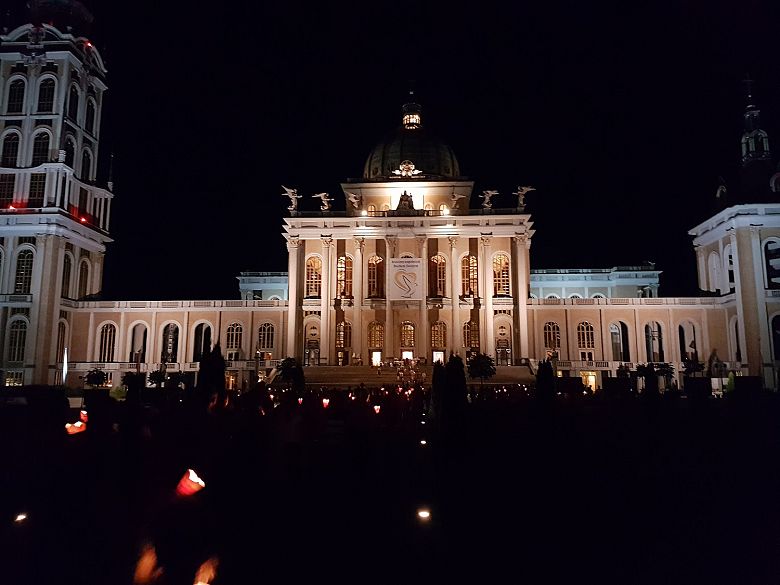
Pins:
x,y
7,186
14,378
37,190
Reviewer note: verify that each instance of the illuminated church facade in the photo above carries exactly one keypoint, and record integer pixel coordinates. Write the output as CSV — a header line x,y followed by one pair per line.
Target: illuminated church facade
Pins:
x,y
410,269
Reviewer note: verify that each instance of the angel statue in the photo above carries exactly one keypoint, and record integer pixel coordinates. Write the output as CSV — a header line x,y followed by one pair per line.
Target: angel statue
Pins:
x,y
325,200
521,192
293,195
355,200
487,196
456,197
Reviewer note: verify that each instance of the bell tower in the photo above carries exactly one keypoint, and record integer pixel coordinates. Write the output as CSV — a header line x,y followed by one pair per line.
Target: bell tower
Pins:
x,y
54,212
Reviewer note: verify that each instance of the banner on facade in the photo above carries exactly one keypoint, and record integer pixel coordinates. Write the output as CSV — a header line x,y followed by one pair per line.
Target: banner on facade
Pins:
x,y
406,279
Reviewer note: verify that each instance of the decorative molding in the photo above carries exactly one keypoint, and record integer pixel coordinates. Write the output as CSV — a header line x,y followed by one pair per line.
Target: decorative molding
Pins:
x,y
293,242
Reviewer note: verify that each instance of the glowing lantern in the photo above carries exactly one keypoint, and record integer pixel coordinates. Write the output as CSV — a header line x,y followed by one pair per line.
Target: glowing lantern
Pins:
x,y
377,408
300,401
11,207
83,220
325,402
207,571
83,416
77,427
423,442
272,396
424,514
190,484
21,517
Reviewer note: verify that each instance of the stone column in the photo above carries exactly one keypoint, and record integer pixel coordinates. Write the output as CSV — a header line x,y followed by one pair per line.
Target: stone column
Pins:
x,y
489,343
325,334
520,256
455,328
357,299
766,367
389,348
702,267
422,331
293,247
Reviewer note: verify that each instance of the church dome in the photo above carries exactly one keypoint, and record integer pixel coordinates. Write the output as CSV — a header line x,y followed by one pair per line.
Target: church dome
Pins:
x,y
411,151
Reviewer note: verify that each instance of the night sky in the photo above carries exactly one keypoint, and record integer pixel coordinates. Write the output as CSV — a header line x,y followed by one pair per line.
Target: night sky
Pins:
x,y
623,116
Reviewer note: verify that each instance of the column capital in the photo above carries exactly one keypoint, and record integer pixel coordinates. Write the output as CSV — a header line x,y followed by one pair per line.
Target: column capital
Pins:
x,y
453,241
360,244
485,240
293,243
327,242
392,242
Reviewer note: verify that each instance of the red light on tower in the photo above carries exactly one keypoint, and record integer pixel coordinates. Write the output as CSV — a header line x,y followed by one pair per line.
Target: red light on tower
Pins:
x,y
377,408
325,402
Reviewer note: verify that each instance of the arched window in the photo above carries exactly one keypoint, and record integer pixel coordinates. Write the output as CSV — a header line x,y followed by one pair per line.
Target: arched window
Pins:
x,y
202,341
552,296
73,103
437,276
776,337
500,275
552,336
585,336
469,276
83,279
169,352
60,355
313,277
444,209
618,333
86,166
471,335
70,151
10,156
234,336
89,123
344,277
654,342
67,268
265,337
376,280
439,335
371,209
138,344
575,296
772,263
343,335
376,335
107,338
686,333
728,263
15,103
17,339
24,267
407,334
599,296
46,96
40,153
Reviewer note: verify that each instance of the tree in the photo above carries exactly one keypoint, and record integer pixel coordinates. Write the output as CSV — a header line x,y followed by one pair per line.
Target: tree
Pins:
x,y
545,380
157,377
481,366
96,378
290,371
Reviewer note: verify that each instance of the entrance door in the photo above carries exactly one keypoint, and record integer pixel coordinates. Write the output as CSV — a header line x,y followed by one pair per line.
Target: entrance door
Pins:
x,y
376,358
589,379
407,355
312,353
438,356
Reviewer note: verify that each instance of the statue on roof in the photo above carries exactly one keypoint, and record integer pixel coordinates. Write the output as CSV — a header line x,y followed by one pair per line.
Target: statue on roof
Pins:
x,y
521,193
455,198
325,200
355,199
487,196
293,195
405,202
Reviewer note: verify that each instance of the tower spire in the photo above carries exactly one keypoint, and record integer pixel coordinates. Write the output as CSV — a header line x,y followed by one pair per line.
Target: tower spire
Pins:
x,y
755,141
411,113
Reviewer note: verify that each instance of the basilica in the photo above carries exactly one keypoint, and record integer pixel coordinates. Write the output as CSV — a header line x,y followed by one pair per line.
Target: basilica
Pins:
x,y
409,270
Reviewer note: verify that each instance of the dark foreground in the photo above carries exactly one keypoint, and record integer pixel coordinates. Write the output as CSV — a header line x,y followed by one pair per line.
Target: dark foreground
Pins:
x,y
520,492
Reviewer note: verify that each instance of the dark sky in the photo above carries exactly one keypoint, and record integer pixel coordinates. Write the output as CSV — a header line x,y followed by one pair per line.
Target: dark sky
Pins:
x,y
623,115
